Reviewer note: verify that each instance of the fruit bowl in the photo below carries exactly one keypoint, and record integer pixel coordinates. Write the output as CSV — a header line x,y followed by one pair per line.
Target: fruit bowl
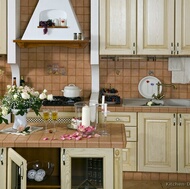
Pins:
x,y
39,171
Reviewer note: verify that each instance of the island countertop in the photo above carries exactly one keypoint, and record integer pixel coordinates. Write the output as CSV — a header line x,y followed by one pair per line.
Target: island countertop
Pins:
x,y
115,139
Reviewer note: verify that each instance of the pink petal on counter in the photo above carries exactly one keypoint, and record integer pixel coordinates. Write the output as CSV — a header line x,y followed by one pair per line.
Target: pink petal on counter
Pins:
x,y
78,138
45,138
97,135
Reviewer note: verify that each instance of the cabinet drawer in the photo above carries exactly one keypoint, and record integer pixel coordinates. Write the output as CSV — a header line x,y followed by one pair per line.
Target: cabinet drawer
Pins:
x,y
126,118
131,134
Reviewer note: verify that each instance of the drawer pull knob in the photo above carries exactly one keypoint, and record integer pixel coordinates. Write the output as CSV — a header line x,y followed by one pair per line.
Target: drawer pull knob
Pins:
x,y
117,119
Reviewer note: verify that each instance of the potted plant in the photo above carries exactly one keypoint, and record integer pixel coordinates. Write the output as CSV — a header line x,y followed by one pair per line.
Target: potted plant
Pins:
x,y
19,100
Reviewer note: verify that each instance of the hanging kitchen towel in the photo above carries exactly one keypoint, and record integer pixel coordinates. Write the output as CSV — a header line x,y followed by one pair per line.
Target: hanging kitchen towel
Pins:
x,y
187,70
183,76
175,64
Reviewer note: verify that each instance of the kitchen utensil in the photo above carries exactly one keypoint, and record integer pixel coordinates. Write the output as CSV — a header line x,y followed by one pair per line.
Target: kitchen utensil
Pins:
x,y
71,91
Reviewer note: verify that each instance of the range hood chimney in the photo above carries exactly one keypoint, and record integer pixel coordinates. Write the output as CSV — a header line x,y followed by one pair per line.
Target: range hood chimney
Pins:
x,y
57,11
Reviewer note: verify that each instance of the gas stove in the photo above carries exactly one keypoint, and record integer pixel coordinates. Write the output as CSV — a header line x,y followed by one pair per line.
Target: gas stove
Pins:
x,y
61,101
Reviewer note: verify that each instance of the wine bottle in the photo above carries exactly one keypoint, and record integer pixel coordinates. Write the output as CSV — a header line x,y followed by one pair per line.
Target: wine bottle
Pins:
x,y
22,82
14,81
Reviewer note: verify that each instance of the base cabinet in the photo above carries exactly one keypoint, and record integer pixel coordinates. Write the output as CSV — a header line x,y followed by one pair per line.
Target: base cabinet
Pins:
x,y
163,142
183,143
73,168
157,142
129,119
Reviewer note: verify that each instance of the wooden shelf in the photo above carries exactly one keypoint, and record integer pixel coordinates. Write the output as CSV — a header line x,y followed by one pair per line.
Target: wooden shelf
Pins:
x,y
54,27
42,43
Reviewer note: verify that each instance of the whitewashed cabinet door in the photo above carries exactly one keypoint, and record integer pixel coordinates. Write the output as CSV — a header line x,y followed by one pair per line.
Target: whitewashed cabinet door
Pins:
x,y
108,165
183,143
117,27
157,142
17,170
3,164
182,43
3,40
155,31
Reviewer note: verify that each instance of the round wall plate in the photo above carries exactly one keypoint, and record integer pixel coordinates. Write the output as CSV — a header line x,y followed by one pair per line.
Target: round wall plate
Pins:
x,y
148,86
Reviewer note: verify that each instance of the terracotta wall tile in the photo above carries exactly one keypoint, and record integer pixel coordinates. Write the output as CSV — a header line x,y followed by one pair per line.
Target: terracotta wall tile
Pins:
x,y
132,71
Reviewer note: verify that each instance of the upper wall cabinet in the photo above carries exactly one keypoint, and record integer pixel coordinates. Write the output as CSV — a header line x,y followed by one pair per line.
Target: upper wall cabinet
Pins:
x,y
3,39
117,27
155,29
144,27
182,30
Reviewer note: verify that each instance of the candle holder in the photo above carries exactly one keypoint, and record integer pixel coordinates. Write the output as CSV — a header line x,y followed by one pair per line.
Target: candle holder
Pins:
x,y
103,127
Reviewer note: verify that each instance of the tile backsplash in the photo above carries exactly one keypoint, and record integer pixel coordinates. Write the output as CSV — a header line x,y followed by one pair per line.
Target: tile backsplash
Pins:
x,y
124,75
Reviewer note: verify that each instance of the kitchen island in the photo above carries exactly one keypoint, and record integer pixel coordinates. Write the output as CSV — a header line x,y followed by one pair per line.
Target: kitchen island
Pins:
x,y
51,147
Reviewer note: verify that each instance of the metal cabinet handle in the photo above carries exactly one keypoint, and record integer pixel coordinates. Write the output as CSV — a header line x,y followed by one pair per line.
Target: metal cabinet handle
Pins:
x,y
177,48
21,171
1,157
172,48
134,48
180,120
174,120
63,157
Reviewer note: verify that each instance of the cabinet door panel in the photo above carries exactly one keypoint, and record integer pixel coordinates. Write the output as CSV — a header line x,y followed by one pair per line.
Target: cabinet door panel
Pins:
x,y
3,170
3,21
155,32
117,26
15,162
182,27
108,164
156,142
183,143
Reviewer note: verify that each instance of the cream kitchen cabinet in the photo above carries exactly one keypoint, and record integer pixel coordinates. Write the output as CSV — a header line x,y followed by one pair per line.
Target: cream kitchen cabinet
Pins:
x,y
117,27
183,143
182,27
3,28
144,27
163,27
129,119
156,142
155,27
162,140
70,167
3,168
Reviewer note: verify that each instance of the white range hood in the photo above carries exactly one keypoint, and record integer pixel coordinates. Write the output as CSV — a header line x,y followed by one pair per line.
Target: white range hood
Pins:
x,y
55,10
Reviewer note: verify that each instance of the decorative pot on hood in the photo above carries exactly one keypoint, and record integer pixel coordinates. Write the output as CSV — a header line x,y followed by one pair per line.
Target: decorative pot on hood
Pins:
x,y
71,91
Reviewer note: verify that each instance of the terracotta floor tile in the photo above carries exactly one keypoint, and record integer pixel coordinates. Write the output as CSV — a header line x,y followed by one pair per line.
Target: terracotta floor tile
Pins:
x,y
141,185
154,185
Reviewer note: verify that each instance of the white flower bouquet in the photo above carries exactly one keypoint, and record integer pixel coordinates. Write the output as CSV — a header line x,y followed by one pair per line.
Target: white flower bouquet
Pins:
x,y
22,99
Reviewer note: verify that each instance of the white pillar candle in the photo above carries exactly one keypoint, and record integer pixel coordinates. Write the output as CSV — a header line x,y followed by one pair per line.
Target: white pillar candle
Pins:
x,y
86,116
103,101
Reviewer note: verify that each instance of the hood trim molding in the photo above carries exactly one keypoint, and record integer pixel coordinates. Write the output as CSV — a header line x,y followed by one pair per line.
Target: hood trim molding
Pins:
x,y
43,43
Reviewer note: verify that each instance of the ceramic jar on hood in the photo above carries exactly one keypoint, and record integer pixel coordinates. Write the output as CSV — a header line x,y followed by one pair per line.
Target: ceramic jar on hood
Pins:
x,y
71,91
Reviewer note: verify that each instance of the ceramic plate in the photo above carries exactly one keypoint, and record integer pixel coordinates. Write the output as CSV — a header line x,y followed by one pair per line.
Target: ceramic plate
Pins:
x,y
147,86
